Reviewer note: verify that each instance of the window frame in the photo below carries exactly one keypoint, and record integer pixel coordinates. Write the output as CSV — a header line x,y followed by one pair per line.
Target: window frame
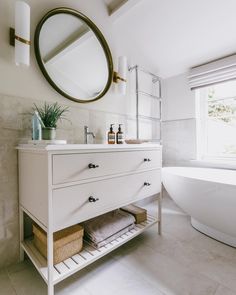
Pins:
x,y
202,131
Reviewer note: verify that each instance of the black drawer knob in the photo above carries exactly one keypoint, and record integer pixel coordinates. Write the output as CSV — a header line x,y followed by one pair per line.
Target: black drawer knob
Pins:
x,y
146,183
147,160
92,166
92,199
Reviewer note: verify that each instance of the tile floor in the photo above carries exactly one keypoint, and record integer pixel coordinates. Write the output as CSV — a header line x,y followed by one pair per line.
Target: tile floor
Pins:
x,y
180,262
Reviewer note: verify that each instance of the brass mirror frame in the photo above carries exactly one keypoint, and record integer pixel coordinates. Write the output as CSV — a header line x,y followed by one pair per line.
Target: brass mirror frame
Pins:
x,y
100,38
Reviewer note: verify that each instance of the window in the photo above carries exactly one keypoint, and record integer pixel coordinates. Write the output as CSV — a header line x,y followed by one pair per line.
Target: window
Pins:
x,y
217,121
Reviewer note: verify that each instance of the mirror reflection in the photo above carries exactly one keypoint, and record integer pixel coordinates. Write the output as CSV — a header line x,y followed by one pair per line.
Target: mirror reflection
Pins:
x,y
73,57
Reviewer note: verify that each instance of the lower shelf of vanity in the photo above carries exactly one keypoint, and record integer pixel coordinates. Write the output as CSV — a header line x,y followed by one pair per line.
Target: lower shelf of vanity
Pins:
x,y
87,256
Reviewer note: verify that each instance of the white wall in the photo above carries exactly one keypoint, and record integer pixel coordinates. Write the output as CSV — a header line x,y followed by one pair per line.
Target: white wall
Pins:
x,y
178,99
179,121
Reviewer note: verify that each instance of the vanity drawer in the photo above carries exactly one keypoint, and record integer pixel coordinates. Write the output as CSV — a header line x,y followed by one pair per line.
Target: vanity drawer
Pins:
x,y
75,167
71,204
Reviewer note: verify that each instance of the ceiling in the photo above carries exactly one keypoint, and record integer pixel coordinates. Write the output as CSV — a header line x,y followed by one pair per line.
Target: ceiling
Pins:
x,y
170,36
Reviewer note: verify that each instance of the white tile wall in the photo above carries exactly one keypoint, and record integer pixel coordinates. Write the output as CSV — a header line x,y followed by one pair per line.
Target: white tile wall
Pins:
x,y
179,142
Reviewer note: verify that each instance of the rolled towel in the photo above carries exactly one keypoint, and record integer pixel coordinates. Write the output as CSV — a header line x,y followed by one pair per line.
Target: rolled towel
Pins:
x,y
102,227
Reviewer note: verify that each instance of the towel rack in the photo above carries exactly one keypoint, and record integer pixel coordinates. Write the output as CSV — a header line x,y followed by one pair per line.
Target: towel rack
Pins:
x,y
155,79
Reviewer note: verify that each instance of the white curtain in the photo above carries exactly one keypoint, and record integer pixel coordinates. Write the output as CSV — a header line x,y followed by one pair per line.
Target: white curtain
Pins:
x,y
218,71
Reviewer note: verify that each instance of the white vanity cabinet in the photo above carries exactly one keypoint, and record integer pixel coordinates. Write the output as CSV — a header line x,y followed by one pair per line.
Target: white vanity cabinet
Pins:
x,y
62,185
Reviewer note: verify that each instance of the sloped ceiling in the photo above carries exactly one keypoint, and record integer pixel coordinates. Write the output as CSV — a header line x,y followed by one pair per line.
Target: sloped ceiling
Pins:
x,y
170,36
112,5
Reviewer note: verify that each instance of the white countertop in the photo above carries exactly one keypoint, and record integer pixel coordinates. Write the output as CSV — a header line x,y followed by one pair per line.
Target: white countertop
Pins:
x,y
67,147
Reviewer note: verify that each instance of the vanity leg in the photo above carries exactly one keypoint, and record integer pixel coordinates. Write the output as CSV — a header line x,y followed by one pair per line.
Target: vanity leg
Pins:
x,y
21,224
50,262
50,237
160,211
50,289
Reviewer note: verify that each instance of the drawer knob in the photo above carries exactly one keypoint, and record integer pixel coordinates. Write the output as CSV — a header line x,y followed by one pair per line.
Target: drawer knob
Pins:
x,y
92,199
147,160
147,183
92,166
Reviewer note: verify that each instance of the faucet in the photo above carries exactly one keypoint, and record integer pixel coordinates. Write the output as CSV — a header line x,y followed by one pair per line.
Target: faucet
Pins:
x,y
86,133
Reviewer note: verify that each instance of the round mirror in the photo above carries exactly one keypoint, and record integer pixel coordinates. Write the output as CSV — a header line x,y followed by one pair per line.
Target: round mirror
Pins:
x,y
73,55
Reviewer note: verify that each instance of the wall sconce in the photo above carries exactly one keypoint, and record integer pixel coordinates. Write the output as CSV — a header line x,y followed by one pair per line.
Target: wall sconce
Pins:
x,y
120,76
20,36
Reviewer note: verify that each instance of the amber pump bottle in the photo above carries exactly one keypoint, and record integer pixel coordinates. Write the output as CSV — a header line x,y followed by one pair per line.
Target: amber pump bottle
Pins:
x,y
120,135
111,136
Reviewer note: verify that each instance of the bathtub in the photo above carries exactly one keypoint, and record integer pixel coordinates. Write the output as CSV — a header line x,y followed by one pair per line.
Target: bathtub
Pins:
x,y
208,196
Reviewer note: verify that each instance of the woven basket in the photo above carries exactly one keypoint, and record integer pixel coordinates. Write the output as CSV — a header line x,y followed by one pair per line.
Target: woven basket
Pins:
x,y
140,214
66,242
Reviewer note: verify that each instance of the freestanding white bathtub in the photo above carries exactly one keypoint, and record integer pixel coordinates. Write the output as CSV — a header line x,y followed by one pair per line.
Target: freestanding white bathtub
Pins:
x,y
208,196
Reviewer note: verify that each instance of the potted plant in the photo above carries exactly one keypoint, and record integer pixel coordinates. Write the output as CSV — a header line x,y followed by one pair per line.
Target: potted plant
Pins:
x,y
50,114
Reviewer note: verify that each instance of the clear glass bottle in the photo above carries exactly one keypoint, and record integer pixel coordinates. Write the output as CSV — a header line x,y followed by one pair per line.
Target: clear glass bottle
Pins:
x,y
36,127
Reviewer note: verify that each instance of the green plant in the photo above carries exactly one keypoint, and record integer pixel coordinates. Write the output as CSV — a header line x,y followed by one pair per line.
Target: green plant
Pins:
x,y
51,113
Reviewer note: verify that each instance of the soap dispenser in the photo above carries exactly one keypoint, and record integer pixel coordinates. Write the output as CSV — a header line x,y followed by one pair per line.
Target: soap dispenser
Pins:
x,y
120,135
111,138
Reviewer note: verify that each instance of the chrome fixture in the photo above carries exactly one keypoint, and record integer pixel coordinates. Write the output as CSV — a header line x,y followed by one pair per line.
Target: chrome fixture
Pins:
x,y
87,133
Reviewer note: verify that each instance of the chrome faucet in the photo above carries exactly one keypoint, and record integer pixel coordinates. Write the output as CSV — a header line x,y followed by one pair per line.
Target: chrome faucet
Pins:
x,y
87,133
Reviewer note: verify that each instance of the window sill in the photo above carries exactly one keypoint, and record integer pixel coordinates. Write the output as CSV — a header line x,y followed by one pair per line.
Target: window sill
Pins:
x,y
215,163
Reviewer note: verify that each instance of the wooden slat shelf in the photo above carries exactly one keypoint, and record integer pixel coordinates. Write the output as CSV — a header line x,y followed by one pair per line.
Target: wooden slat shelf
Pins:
x,y
87,256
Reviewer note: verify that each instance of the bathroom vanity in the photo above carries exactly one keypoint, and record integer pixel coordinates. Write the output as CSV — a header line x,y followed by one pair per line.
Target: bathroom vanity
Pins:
x,y
62,185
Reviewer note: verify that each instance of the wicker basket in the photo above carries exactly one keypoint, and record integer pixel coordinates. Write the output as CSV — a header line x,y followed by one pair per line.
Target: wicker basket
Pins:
x,y
139,214
66,242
